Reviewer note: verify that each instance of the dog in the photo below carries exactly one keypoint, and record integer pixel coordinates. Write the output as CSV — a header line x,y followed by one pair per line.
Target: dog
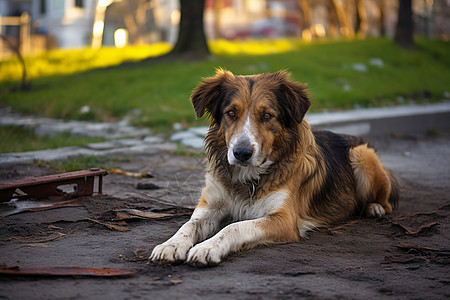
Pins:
x,y
270,178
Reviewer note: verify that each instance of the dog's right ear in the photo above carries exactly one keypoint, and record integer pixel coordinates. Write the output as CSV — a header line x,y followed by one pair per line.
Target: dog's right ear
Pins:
x,y
209,94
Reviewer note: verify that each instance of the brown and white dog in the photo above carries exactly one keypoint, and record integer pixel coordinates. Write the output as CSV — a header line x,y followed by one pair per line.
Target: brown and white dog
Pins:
x,y
270,178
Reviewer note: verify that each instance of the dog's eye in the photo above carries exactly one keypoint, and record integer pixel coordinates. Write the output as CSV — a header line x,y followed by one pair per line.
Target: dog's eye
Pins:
x,y
266,117
231,114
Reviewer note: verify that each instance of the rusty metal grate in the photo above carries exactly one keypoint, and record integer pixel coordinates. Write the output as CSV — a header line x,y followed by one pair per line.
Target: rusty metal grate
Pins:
x,y
79,183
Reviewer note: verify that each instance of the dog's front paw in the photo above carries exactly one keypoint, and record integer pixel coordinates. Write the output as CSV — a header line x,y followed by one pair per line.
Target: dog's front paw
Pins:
x,y
170,252
375,210
206,254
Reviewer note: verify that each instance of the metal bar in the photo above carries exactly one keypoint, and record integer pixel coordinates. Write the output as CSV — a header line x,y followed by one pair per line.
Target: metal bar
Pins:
x,y
100,184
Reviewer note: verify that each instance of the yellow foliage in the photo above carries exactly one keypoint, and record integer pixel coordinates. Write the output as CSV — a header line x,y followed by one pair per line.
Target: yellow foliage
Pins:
x,y
253,46
60,61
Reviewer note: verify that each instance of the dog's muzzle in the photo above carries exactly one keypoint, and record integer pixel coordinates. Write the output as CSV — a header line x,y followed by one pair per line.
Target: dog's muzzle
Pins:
x,y
242,154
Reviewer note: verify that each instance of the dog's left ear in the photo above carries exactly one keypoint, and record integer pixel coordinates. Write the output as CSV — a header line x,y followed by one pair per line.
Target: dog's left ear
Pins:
x,y
292,97
209,95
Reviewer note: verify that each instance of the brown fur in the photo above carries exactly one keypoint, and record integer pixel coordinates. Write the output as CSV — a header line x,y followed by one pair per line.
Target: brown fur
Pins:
x,y
316,167
270,178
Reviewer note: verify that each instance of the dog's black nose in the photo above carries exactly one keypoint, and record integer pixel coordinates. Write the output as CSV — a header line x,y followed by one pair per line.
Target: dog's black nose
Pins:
x,y
242,154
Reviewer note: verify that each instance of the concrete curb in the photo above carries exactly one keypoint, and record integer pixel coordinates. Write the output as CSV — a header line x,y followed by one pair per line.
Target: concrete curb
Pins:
x,y
70,152
363,122
389,120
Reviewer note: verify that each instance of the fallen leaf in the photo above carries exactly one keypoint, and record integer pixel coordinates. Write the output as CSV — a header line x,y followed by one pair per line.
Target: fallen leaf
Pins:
x,y
139,255
416,247
139,252
54,227
130,174
35,245
174,281
125,214
109,225
419,229
404,259
60,235
424,249
115,227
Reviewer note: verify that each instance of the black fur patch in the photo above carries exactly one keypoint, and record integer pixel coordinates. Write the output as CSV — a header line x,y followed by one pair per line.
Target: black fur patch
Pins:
x,y
251,83
337,195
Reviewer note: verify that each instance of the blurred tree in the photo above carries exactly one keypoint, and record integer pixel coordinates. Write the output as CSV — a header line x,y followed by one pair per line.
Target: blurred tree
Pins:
x,y
344,23
306,12
332,24
25,84
135,18
405,26
381,7
338,14
361,18
191,42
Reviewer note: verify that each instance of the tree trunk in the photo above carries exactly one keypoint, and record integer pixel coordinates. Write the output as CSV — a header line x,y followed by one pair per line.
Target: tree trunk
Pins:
x,y
361,18
405,27
191,42
345,28
25,84
306,12
332,20
306,20
131,26
382,17
135,18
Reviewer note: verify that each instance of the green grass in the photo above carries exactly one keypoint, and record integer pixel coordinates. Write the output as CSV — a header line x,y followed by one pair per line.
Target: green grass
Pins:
x,y
19,139
82,162
157,94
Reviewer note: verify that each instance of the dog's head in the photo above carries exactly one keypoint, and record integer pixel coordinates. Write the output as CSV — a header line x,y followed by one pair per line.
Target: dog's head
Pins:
x,y
253,112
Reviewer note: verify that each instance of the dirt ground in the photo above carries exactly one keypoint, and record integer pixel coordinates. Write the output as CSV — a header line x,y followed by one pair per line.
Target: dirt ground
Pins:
x,y
405,255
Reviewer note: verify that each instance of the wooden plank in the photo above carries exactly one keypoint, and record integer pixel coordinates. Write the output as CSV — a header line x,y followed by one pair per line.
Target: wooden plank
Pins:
x,y
66,271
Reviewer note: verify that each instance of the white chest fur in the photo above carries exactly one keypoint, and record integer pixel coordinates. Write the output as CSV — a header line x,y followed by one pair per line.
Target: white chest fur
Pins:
x,y
241,206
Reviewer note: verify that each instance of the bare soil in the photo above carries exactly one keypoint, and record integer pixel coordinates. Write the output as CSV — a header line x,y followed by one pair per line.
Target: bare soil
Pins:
x,y
405,255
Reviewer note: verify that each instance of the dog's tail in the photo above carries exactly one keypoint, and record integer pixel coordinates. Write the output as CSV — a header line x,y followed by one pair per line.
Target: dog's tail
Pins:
x,y
395,188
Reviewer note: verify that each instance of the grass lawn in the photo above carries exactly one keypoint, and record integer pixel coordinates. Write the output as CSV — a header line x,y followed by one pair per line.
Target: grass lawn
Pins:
x,y
18,139
340,75
82,162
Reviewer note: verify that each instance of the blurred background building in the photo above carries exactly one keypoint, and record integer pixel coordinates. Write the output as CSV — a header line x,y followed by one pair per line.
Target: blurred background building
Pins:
x,y
37,25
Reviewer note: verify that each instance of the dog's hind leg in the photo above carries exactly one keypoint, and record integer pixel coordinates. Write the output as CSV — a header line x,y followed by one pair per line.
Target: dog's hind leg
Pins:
x,y
373,181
